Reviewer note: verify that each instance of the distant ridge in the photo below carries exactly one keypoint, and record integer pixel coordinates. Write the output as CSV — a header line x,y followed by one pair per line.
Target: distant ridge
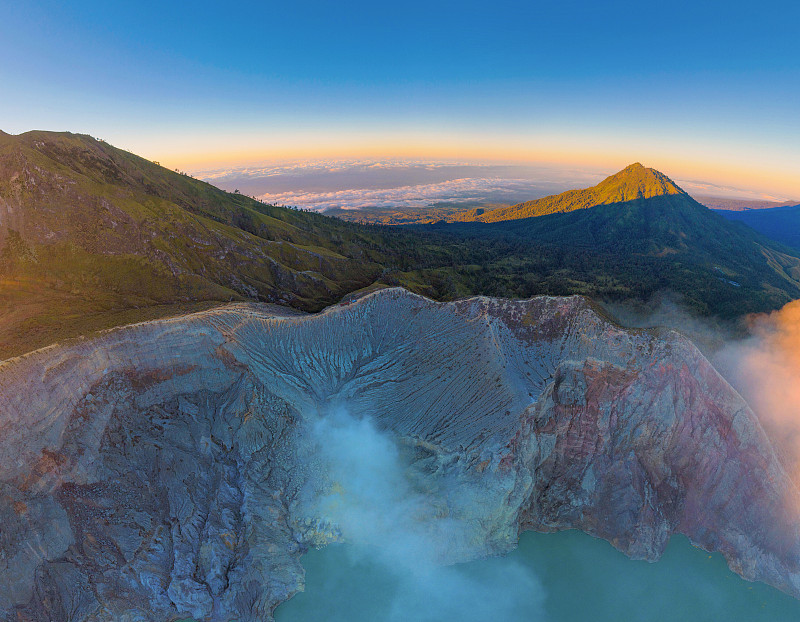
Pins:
x,y
632,183
741,205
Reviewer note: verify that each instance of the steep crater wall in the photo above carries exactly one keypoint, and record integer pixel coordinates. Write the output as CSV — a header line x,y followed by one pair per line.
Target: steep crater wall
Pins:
x,y
171,468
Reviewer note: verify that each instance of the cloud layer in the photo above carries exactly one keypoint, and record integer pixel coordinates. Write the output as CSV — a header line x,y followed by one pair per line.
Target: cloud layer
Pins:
x,y
354,184
325,166
420,195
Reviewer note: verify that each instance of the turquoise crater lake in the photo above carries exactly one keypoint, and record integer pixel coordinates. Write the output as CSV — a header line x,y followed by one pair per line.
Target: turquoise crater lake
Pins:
x,y
561,577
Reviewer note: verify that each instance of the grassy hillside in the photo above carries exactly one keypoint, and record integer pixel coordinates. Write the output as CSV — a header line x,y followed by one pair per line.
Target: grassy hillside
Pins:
x,y
91,235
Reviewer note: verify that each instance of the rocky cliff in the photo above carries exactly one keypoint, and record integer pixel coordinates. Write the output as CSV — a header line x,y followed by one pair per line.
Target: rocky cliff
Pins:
x,y
171,469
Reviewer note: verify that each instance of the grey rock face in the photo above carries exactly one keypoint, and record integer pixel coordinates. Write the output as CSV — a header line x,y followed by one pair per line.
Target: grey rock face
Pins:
x,y
170,469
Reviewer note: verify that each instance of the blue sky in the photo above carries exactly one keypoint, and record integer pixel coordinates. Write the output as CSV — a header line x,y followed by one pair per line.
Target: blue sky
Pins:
x,y
707,90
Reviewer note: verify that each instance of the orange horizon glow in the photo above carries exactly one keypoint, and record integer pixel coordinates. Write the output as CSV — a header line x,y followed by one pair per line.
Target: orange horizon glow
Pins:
x,y
648,85
758,177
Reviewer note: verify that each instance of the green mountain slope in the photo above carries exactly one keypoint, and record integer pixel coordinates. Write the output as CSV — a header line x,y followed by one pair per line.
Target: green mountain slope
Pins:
x,y
632,183
92,236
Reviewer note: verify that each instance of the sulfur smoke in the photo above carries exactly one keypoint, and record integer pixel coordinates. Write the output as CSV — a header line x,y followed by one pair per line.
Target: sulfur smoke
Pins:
x,y
384,511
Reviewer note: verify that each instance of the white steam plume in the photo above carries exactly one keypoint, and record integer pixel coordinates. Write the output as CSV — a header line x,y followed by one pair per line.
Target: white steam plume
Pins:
x,y
385,513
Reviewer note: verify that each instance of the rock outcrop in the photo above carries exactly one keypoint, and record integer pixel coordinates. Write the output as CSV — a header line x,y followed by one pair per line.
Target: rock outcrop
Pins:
x,y
167,469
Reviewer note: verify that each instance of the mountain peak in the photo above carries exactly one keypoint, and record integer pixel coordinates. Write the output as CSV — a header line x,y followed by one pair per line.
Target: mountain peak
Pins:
x,y
634,182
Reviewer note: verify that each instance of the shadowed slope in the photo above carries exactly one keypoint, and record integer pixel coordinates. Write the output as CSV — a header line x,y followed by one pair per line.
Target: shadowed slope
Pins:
x,y
782,224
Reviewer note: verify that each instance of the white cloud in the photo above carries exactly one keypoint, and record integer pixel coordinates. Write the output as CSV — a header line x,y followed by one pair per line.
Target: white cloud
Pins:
x,y
467,189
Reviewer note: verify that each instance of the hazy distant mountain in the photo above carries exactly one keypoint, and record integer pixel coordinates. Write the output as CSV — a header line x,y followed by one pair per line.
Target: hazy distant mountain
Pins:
x,y
779,223
738,205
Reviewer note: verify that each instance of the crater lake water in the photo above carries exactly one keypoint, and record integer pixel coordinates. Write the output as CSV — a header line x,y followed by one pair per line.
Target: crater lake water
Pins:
x,y
560,577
